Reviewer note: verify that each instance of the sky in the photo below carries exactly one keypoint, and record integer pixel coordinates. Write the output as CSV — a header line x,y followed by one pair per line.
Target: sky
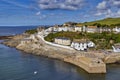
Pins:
x,y
51,12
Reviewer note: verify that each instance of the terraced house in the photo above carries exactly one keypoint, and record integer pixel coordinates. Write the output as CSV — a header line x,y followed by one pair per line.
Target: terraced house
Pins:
x,y
92,29
81,44
62,41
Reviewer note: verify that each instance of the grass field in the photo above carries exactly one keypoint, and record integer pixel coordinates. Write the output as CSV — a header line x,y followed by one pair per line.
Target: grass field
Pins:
x,y
107,21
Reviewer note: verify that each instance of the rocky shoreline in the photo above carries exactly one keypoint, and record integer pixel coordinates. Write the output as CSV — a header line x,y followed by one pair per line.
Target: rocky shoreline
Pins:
x,y
87,61
5,37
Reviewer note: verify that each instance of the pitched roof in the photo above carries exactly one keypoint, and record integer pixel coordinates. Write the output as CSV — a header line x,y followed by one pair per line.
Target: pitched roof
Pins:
x,y
79,40
92,27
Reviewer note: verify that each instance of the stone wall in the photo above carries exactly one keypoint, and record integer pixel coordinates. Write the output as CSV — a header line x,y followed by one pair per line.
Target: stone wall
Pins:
x,y
88,66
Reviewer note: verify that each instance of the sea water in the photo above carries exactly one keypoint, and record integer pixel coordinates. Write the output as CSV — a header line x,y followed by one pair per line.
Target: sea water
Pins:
x,y
17,65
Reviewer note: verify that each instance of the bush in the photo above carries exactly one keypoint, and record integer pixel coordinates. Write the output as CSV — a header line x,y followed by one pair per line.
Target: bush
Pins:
x,y
32,31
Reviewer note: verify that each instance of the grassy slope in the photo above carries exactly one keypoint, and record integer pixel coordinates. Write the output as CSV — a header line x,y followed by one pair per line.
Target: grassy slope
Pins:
x,y
107,21
102,40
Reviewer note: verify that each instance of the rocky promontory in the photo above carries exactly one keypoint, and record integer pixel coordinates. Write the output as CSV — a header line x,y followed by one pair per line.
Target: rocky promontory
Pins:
x,y
91,61
81,59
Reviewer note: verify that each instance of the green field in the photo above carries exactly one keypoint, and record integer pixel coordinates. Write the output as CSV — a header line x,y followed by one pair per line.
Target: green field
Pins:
x,y
107,21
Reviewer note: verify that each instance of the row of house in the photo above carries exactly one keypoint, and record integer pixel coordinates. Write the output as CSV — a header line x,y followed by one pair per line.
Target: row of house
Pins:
x,y
81,44
77,44
80,28
89,29
68,28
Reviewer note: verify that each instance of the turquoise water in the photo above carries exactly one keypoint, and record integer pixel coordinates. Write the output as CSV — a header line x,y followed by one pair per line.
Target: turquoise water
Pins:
x,y
17,65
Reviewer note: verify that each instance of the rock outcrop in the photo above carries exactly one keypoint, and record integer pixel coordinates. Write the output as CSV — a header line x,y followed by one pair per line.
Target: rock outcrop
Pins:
x,y
113,58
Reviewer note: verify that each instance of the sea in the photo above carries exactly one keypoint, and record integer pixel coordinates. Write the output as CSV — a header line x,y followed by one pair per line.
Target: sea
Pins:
x,y
17,65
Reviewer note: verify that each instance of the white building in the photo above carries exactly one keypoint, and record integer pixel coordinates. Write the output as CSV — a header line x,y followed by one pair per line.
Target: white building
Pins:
x,y
63,29
82,44
78,29
90,44
116,29
84,28
50,29
67,28
33,37
116,48
92,29
55,29
62,41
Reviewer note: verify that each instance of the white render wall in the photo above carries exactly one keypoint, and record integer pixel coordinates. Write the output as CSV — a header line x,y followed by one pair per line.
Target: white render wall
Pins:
x,y
79,46
90,30
91,44
73,29
63,29
116,29
78,29
115,49
82,46
62,41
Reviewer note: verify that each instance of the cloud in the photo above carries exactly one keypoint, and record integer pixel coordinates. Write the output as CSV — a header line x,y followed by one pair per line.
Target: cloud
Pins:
x,y
98,14
43,17
61,4
108,13
113,14
115,3
38,13
86,16
108,8
108,4
15,3
102,5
